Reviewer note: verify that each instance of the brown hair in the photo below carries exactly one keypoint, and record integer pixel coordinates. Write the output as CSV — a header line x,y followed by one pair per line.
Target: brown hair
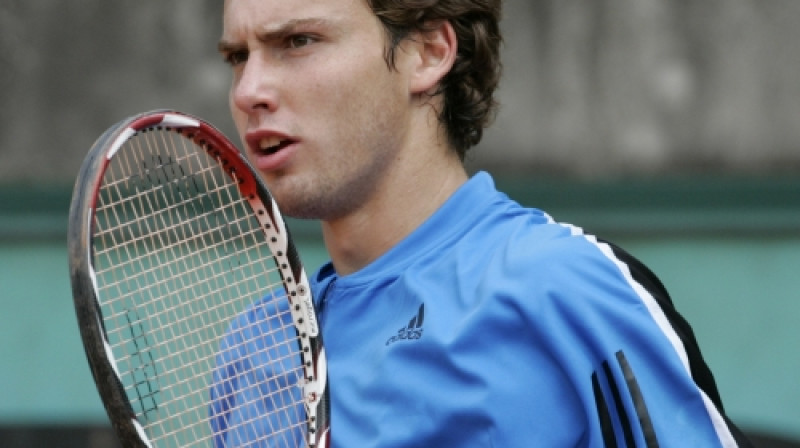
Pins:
x,y
468,89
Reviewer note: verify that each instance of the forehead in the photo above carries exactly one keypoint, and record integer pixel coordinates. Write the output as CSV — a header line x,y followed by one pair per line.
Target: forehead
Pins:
x,y
247,15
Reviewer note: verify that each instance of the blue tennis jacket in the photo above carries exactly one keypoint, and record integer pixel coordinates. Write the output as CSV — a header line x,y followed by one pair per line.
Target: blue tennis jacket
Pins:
x,y
492,325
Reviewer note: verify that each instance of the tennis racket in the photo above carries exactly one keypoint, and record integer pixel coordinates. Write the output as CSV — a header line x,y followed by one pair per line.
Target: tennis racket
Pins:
x,y
194,309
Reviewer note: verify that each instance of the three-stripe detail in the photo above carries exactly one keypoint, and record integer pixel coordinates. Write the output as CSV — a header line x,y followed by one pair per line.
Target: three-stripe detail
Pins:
x,y
618,427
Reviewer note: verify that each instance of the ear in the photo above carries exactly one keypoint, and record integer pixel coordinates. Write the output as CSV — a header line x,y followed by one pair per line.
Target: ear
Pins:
x,y
436,53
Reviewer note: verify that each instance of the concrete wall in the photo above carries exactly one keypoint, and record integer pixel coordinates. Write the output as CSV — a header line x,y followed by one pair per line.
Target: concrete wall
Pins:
x,y
593,88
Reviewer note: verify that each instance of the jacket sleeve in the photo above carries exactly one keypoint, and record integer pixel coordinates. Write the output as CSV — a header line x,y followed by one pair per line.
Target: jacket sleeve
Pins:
x,y
255,400
634,360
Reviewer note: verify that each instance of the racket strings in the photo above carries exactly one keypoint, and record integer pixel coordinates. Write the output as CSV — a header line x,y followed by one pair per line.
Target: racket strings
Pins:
x,y
177,257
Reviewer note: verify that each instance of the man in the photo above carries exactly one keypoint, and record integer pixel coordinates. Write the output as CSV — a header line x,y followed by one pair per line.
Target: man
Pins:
x,y
453,317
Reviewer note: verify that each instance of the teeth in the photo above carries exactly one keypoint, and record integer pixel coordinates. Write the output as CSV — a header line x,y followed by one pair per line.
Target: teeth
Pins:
x,y
268,142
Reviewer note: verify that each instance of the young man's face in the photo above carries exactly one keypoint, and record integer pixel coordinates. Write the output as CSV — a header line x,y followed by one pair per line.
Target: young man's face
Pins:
x,y
319,111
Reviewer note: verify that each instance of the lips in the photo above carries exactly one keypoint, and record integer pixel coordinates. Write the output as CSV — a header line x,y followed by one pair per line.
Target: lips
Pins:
x,y
270,150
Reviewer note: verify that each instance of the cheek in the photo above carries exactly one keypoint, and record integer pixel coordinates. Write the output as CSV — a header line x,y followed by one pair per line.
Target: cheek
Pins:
x,y
231,105
239,118
357,92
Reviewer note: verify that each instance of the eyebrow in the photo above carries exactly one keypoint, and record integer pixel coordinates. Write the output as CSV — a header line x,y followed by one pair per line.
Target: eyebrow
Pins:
x,y
272,33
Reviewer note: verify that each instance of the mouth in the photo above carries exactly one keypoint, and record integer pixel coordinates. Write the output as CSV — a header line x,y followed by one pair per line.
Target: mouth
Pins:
x,y
271,145
271,150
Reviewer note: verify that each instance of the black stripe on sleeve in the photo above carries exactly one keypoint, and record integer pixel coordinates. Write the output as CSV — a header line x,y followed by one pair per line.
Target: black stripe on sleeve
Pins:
x,y
642,413
603,413
623,417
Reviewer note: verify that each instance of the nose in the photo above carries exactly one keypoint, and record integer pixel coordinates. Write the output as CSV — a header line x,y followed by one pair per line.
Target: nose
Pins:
x,y
254,88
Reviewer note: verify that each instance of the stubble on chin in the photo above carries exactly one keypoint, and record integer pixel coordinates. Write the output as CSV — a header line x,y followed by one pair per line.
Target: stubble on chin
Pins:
x,y
326,198
307,199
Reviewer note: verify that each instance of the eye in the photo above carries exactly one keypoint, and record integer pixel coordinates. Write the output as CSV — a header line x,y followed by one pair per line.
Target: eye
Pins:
x,y
300,40
235,58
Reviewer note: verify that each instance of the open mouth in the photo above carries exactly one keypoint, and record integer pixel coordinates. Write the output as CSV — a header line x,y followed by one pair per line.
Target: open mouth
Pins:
x,y
271,145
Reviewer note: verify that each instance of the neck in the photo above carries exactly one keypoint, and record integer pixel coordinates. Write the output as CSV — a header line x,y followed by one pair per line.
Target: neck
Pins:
x,y
406,197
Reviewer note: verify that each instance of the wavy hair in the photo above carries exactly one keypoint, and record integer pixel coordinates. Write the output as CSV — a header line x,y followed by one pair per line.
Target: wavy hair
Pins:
x,y
468,89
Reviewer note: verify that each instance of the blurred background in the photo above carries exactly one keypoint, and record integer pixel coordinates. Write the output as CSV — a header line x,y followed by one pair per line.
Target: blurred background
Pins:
x,y
671,127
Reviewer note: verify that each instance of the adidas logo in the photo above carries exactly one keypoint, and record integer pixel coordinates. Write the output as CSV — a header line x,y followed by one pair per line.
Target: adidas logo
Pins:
x,y
413,330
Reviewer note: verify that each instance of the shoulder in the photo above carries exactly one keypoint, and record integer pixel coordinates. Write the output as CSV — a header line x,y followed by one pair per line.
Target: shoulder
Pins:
x,y
560,271
534,247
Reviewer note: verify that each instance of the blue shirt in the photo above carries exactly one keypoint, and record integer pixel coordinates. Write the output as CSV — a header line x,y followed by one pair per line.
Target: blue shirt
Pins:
x,y
491,325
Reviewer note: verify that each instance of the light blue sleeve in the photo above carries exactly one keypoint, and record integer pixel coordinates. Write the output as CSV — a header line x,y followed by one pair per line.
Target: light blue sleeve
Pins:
x,y
254,401
613,339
